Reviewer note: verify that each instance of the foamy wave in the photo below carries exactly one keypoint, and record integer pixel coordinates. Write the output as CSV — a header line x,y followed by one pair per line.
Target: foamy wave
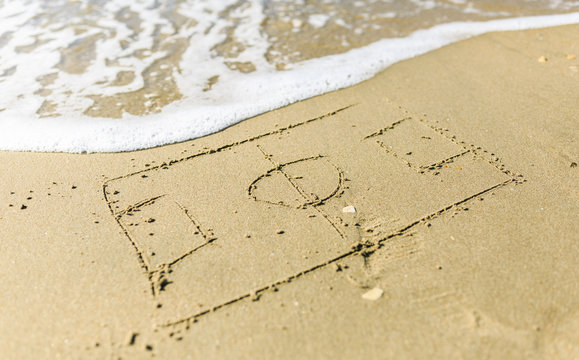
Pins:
x,y
128,75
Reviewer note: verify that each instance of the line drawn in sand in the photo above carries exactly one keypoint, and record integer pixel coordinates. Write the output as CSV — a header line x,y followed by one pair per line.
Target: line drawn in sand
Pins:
x,y
204,248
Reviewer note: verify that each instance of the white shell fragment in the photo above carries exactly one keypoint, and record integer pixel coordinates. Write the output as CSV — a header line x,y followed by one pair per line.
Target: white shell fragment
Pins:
x,y
373,295
349,209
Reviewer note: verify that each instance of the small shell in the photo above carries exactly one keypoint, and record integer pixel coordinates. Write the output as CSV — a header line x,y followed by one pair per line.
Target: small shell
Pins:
x,y
349,209
373,295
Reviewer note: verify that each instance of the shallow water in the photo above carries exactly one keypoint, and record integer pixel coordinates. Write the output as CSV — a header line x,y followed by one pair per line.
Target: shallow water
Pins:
x,y
68,65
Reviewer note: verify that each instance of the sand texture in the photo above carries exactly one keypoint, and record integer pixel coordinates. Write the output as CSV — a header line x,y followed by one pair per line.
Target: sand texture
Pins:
x,y
430,212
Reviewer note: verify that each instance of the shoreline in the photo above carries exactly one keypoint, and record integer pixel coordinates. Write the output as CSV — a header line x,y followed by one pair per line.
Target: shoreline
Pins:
x,y
247,95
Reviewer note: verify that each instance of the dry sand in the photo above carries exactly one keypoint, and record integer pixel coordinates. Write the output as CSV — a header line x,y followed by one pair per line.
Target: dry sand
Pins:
x,y
430,212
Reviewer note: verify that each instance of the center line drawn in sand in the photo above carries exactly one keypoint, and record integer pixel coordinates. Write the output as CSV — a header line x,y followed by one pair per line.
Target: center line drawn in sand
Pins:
x,y
203,248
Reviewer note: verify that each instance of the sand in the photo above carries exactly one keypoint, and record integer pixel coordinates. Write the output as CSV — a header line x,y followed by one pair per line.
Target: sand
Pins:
x,y
430,212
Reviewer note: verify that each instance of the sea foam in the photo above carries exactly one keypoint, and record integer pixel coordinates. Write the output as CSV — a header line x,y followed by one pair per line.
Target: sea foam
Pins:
x,y
198,106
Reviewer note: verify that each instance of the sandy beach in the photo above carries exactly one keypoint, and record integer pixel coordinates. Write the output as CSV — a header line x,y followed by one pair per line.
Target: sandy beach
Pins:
x,y
430,212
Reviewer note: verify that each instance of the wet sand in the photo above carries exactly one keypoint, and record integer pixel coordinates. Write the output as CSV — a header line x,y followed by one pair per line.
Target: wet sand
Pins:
x,y
426,213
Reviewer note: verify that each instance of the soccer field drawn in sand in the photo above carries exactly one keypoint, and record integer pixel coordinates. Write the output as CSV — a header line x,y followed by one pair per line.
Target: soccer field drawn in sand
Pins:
x,y
204,247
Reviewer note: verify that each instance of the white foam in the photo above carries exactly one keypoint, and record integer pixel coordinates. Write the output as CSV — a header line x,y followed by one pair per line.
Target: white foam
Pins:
x,y
236,96
318,20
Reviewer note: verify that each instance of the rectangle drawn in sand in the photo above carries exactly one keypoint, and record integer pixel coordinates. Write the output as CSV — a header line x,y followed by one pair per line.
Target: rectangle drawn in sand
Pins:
x,y
203,246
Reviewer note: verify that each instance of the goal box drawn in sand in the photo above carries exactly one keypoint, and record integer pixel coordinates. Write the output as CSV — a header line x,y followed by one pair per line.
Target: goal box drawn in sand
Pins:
x,y
203,246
